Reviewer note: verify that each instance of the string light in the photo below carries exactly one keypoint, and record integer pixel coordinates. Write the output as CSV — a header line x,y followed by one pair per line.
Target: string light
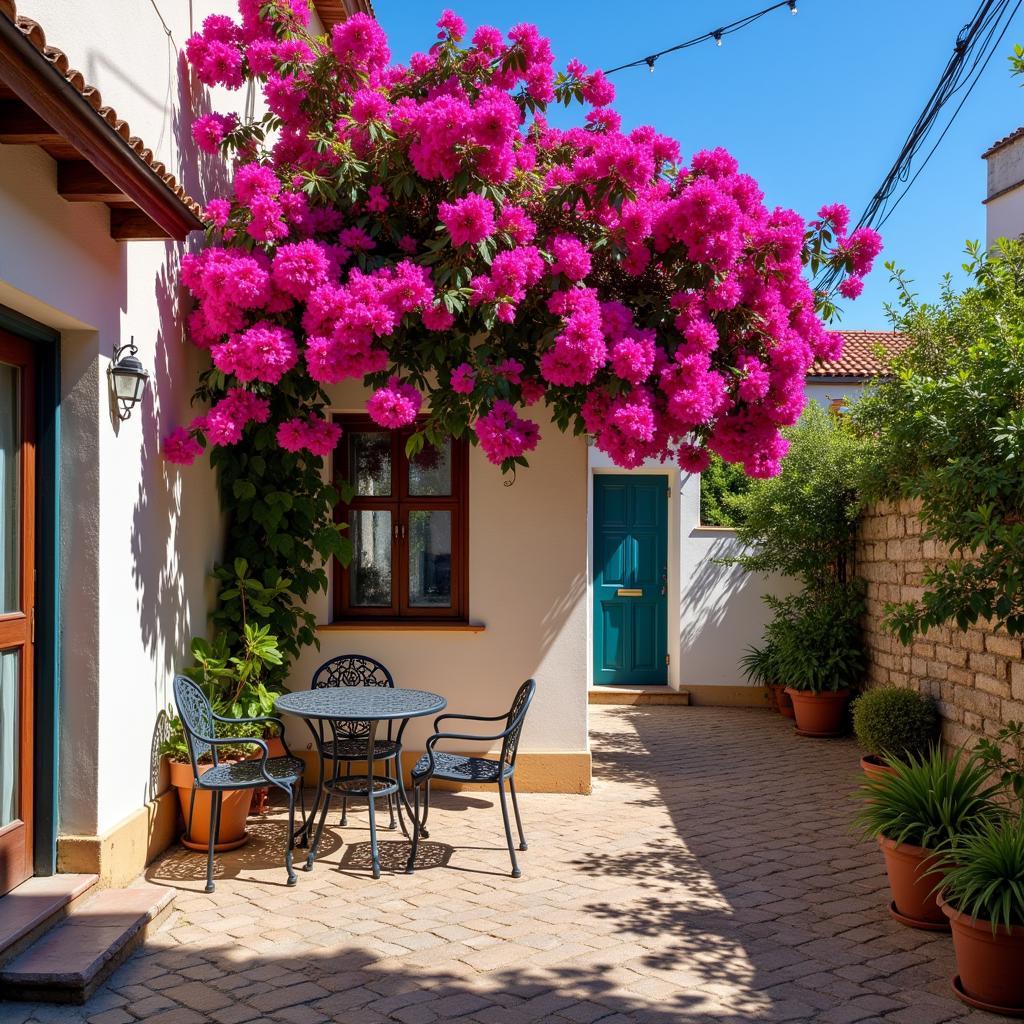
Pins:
x,y
717,35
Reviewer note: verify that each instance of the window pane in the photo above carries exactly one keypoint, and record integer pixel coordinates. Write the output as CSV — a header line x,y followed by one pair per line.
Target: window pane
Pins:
x,y
370,572
10,663
430,559
369,455
430,472
10,487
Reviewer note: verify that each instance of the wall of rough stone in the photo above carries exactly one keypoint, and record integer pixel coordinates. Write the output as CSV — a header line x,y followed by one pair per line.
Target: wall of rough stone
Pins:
x,y
975,675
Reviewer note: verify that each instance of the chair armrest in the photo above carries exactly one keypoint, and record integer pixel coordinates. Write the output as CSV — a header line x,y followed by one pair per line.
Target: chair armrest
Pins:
x,y
252,721
469,718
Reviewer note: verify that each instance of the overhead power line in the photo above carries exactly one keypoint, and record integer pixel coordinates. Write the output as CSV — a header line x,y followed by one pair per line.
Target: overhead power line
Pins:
x,y
975,45
716,34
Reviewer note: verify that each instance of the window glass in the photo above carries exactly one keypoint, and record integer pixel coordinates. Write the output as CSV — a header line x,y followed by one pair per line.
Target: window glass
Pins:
x,y
430,559
370,462
370,571
430,472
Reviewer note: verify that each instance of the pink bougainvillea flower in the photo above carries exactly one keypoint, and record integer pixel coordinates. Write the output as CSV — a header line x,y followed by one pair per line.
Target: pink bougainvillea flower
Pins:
x,y
263,352
395,405
314,434
469,220
181,447
463,379
503,434
210,130
851,287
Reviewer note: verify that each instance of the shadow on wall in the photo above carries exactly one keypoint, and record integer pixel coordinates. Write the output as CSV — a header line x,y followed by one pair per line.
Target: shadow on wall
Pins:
x,y
175,511
720,609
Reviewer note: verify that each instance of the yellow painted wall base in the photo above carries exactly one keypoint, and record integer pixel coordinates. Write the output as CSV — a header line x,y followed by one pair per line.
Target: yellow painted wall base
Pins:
x,y
709,695
120,855
562,772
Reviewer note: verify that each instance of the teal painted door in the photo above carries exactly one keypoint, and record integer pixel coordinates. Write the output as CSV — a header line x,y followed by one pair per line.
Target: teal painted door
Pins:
x,y
630,573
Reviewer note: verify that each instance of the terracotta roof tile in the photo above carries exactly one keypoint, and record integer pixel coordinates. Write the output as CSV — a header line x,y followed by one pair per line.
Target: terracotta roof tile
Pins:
x,y
859,358
1004,141
60,63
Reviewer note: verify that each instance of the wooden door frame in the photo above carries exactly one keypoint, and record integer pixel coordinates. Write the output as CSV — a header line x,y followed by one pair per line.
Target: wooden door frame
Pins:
x,y
46,345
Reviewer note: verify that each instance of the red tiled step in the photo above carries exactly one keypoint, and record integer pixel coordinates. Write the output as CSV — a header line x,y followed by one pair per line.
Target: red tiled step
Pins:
x,y
36,905
70,962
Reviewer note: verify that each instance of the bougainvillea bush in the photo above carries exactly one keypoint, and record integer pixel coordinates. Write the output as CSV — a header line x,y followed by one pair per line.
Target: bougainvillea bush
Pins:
x,y
424,229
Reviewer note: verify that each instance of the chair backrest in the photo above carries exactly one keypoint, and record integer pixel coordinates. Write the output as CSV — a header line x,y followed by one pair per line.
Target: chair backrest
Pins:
x,y
196,718
352,670
514,720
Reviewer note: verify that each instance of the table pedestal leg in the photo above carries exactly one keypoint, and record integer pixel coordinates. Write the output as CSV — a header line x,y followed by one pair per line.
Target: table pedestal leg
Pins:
x,y
371,799
302,835
327,791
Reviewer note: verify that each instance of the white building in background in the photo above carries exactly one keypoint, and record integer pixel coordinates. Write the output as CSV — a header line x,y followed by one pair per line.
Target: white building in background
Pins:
x,y
1004,196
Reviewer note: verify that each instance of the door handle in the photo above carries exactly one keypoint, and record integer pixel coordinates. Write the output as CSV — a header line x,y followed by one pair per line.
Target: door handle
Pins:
x,y
628,592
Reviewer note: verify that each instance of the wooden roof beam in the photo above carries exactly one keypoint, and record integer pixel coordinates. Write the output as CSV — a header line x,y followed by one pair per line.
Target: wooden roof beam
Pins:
x,y
79,182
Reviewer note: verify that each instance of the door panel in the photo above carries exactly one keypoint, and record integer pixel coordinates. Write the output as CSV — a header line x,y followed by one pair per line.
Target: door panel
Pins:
x,y
17,606
630,569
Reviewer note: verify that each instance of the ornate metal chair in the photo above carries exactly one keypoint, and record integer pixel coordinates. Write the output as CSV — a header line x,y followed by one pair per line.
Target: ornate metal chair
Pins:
x,y
349,741
436,764
200,725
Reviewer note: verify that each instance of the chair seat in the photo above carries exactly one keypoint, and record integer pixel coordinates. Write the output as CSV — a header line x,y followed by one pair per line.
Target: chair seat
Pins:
x,y
460,768
247,774
355,750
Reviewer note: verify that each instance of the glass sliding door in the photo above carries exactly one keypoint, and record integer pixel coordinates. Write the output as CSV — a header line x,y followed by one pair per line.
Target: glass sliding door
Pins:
x,y
17,606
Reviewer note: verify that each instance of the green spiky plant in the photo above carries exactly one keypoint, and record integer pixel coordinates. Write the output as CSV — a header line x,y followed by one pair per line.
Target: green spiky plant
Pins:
x,y
928,800
985,875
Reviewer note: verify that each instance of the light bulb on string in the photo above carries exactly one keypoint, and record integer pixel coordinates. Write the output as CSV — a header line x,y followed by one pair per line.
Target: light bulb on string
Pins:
x,y
650,63
792,7
717,36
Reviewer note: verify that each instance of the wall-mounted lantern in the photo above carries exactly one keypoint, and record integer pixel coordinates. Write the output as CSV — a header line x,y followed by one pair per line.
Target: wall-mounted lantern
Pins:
x,y
128,377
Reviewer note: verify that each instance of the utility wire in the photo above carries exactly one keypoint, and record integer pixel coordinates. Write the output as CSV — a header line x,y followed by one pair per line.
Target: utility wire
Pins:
x,y
717,34
975,45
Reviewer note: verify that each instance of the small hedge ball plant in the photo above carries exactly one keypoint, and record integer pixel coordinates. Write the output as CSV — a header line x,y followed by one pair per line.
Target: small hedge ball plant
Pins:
x,y
929,800
895,722
984,877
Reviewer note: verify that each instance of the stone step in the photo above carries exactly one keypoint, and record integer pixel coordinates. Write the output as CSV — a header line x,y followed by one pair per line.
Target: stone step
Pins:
x,y
637,695
68,963
35,906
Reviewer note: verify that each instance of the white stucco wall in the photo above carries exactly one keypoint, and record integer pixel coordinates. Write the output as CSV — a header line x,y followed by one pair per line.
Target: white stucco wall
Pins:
x,y
138,536
1004,208
715,611
527,586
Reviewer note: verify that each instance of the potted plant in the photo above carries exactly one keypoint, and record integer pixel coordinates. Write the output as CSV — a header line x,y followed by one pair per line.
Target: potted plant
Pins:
x,y
893,720
982,895
759,668
920,811
820,654
234,684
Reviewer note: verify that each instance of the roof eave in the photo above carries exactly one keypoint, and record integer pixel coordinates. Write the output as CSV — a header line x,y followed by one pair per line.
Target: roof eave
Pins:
x,y
27,73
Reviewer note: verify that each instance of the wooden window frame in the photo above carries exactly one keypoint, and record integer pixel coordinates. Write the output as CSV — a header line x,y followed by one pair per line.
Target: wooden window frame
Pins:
x,y
400,503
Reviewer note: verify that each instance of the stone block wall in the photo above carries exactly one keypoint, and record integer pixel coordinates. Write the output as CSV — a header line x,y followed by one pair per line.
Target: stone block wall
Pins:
x,y
976,675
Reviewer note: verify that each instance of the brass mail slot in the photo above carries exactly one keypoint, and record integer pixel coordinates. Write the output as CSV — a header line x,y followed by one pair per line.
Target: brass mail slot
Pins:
x,y
628,592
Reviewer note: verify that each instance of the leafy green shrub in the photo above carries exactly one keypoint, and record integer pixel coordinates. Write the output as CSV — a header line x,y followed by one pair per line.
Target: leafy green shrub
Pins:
x,y
816,639
928,800
948,431
1004,757
802,523
720,484
984,877
893,720
759,664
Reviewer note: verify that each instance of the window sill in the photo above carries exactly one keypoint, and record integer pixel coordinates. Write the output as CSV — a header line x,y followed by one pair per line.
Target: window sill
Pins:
x,y
417,627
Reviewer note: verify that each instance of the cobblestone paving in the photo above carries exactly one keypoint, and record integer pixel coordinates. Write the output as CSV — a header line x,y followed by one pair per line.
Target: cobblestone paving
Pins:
x,y
711,877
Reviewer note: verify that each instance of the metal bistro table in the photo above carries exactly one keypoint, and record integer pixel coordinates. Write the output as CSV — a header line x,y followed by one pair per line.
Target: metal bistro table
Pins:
x,y
323,710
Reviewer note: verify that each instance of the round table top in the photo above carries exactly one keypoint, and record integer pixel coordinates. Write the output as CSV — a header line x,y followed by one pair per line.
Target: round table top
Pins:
x,y
360,703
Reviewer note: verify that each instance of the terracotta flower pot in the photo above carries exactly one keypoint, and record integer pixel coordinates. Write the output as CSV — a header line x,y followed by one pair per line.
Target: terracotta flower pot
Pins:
x,y
234,810
991,965
912,885
784,702
873,766
818,714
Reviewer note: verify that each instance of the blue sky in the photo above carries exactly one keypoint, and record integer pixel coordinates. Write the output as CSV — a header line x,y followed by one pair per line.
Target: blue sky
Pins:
x,y
815,106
